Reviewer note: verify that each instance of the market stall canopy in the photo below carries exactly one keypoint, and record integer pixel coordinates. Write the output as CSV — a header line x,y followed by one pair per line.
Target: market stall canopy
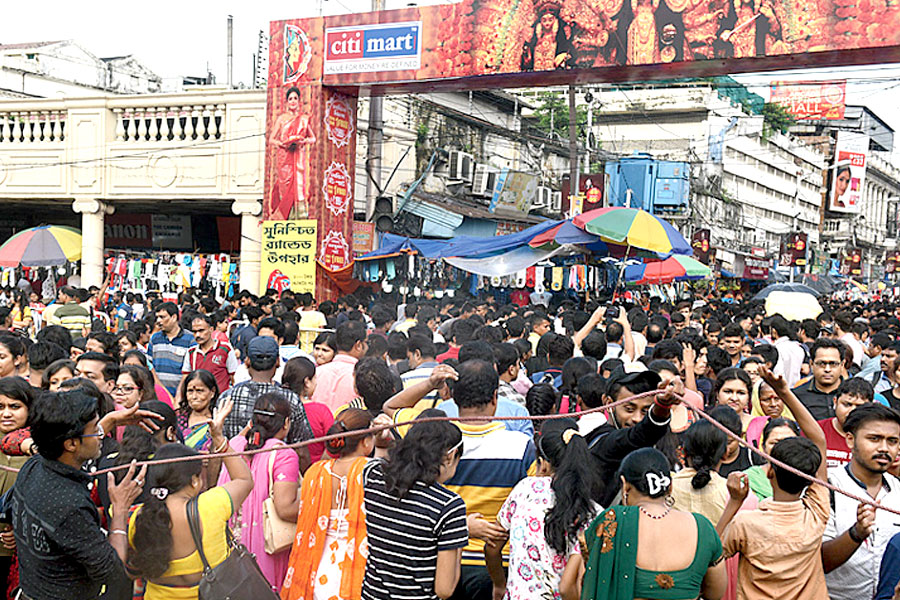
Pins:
x,y
634,228
794,306
675,268
42,246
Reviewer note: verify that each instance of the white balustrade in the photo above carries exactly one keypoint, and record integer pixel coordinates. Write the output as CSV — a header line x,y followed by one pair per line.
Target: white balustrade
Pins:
x,y
31,127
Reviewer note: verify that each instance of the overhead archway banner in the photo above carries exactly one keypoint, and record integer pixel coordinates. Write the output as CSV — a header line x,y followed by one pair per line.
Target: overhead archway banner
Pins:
x,y
318,66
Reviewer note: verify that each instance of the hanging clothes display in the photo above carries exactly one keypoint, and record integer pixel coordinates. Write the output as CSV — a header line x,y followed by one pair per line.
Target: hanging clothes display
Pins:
x,y
172,272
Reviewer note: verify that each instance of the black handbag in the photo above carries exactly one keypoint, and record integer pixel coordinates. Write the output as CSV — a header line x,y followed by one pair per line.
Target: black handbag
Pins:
x,y
238,577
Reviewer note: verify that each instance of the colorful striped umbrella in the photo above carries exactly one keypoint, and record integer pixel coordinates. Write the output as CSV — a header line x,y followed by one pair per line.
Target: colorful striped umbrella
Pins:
x,y
634,228
41,246
675,268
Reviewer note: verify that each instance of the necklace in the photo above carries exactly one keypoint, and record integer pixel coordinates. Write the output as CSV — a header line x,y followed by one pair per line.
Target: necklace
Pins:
x,y
650,515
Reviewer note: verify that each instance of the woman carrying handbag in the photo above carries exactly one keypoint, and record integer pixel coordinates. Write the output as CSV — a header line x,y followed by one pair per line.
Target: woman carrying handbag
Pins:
x,y
161,547
272,506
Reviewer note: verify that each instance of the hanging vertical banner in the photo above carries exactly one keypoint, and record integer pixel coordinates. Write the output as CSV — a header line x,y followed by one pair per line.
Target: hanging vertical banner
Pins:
x,y
849,173
793,250
851,262
892,262
700,244
288,259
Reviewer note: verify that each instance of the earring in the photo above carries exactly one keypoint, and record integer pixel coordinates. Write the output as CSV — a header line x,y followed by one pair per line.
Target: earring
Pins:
x,y
670,501
624,497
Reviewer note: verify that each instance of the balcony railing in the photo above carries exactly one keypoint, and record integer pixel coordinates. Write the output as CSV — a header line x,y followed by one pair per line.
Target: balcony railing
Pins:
x,y
204,143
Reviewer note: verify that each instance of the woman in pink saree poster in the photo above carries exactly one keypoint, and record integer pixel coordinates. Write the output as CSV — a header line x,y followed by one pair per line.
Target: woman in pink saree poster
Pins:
x,y
291,137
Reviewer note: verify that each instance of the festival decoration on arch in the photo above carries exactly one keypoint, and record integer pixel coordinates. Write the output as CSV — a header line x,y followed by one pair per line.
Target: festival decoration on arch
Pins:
x,y
318,65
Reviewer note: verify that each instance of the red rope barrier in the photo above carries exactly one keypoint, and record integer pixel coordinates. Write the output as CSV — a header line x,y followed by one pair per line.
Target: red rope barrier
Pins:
x,y
379,428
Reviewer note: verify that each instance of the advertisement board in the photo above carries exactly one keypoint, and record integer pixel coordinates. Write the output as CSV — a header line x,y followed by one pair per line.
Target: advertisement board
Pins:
x,y
892,262
822,100
363,237
514,190
701,245
851,262
793,250
848,177
288,256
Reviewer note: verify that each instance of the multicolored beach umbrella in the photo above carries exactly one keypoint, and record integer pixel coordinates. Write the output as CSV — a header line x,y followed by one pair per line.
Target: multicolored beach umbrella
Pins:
x,y
634,228
675,268
42,246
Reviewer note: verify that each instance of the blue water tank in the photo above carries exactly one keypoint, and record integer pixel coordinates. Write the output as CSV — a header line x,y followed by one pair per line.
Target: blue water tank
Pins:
x,y
656,185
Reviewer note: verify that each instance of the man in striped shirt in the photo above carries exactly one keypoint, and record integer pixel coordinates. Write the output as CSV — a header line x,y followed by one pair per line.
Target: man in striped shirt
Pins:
x,y
494,460
168,346
70,314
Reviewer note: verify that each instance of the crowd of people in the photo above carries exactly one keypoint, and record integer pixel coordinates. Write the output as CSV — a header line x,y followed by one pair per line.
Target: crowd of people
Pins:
x,y
566,458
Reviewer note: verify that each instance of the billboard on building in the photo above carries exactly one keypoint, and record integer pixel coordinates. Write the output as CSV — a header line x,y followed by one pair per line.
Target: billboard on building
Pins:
x,y
892,262
701,244
793,250
851,262
811,99
848,176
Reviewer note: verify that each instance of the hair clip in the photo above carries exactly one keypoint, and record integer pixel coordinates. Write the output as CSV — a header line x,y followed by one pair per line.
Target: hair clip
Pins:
x,y
265,413
256,437
159,493
568,434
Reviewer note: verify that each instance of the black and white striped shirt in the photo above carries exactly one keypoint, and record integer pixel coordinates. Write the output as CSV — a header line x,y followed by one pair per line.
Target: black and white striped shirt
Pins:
x,y
405,536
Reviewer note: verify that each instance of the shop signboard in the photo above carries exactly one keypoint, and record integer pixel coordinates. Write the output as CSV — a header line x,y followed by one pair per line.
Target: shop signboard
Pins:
x,y
851,262
514,190
756,267
793,250
701,245
288,255
848,178
363,237
815,100
892,262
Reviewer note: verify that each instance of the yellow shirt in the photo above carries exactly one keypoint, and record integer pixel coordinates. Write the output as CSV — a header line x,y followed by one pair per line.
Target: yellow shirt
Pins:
x,y
215,509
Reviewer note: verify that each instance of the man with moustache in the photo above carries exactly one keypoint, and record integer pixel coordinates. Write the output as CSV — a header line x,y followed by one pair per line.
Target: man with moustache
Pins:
x,y
856,534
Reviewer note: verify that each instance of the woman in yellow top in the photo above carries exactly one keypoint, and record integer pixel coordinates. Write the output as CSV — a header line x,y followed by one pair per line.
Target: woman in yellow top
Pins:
x,y
21,313
161,549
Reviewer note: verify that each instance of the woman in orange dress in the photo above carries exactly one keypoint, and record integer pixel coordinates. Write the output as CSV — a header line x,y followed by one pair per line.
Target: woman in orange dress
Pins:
x,y
291,137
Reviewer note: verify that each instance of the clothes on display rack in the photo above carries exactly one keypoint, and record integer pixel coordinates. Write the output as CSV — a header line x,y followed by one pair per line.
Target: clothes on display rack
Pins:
x,y
173,272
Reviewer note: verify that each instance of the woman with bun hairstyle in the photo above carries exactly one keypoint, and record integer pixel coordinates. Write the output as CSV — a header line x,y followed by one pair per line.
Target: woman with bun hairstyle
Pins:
x,y
276,473
328,559
642,549
544,515
698,487
161,548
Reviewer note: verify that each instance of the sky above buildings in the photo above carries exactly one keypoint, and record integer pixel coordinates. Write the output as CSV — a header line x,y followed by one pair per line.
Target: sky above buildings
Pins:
x,y
188,38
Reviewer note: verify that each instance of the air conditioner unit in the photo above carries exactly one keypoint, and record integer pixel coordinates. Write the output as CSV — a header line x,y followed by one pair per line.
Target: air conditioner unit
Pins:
x,y
484,180
556,202
461,167
543,198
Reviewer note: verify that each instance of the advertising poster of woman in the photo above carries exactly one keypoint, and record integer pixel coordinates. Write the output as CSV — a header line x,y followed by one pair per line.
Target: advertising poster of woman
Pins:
x,y
291,138
848,180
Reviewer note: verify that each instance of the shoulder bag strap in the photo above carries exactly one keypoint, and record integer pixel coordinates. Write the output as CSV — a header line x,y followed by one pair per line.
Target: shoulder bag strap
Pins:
x,y
193,517
272,473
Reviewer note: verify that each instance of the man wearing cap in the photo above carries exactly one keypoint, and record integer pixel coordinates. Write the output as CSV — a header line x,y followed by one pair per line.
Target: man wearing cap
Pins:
x,y
639,423
262,361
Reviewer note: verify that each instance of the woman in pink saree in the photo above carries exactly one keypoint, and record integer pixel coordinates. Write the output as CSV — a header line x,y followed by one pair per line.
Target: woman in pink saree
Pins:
x,y
291,138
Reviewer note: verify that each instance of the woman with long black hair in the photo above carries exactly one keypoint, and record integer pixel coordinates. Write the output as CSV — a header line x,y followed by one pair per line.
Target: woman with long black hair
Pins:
x,y
276,474
416,526
544,515
161,548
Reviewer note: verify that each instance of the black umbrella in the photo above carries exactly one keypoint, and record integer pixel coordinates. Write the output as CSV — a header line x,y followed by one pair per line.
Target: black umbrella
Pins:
x,y
785,287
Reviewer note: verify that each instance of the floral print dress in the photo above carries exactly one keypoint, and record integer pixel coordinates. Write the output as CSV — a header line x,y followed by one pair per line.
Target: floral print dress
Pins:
x,y
534,567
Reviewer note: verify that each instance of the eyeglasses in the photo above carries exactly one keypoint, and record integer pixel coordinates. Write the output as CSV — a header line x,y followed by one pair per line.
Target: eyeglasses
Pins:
x,y
99,433
827,364
124,389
